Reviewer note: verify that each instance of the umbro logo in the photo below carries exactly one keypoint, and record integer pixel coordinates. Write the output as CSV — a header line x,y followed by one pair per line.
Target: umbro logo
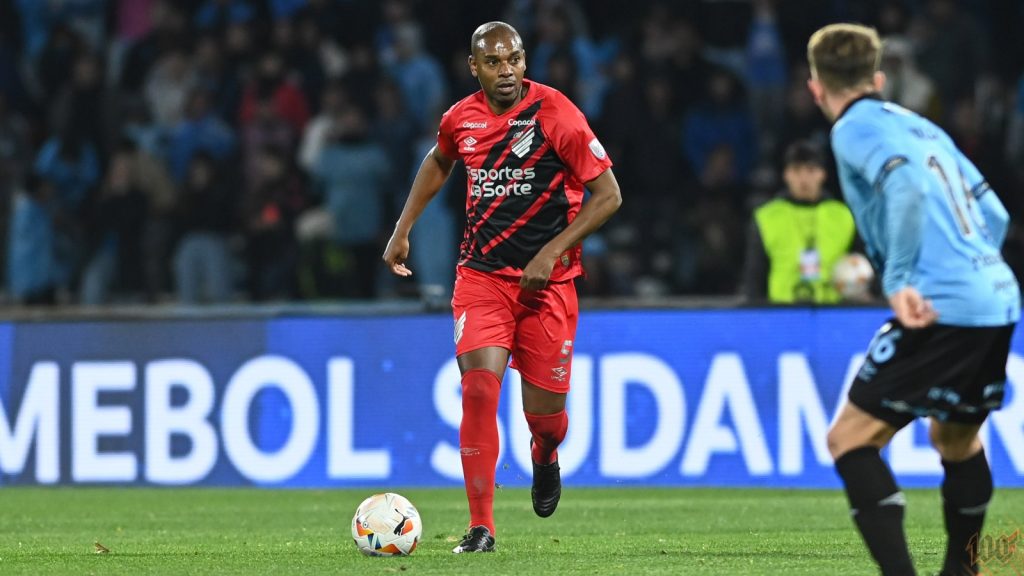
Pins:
x,y
522,147
468,144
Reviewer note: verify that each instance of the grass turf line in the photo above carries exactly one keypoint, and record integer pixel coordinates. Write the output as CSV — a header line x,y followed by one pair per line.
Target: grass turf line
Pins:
x,y
199,531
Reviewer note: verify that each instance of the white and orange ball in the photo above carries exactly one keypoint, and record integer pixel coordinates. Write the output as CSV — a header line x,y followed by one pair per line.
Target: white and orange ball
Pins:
x,y
386,525
852,276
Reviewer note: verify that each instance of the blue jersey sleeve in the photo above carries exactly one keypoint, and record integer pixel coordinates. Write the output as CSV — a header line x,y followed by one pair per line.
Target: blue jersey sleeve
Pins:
x,y
904,211
865,150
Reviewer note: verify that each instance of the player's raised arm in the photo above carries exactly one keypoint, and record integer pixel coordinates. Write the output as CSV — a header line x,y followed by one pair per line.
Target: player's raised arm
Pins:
x,y
433,172
605,199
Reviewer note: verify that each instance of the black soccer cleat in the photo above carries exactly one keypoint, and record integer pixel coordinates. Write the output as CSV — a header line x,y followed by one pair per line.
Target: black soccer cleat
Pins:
x,y
547,488
479,539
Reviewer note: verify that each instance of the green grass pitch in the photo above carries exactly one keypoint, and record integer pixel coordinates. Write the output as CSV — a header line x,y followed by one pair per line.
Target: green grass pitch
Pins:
x,y
645,531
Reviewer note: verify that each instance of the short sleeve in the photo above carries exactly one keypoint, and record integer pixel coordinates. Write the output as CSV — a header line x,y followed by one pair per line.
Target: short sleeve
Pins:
x,y
575,143
863,148
446,135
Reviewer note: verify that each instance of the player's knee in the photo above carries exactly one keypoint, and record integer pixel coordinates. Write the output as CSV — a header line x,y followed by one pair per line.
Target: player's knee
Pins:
x,y
838,442
953,447
480,386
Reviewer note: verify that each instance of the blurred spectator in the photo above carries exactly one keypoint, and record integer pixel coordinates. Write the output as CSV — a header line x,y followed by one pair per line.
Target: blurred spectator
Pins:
x,y
213,76
893,18
796,239
708,244
71,163
1015,132
686,66
393,15
725,27
134,18
150,177
766,72
167,32
84,92
31,269
216,15
321,128
57,60
270,214
396,132
364,71
115,229
904,82
168,86
203,266
802,119
265,129
650,154
15,152
239,52
272,83
950,51
321,59
418,75
15,157
720,120
199,131
352,173
564,58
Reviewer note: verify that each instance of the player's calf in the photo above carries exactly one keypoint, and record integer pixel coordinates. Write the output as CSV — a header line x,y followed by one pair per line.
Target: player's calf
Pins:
x,y
877,506
548,431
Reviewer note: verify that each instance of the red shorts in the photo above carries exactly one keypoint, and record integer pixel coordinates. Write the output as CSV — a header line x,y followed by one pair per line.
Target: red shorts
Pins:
x,y
537,327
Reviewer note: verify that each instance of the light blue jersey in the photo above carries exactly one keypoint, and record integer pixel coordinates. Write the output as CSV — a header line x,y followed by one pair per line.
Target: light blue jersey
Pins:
x,y
927,216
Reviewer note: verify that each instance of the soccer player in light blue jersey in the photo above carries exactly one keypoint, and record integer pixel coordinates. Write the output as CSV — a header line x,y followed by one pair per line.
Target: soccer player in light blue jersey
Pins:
x,y
933,229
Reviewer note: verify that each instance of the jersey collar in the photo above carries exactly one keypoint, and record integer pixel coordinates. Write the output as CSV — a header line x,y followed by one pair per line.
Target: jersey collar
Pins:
x,y
868,96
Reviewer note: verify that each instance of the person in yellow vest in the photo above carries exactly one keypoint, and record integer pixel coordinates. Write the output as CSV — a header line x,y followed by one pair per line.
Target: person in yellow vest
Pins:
x,y
796,238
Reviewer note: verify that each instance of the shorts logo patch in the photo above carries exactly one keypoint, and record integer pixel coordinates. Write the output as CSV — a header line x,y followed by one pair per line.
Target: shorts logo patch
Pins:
x,y
558,374
460,324
565,354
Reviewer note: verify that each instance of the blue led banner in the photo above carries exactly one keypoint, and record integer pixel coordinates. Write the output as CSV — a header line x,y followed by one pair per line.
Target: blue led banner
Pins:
x,y
673,398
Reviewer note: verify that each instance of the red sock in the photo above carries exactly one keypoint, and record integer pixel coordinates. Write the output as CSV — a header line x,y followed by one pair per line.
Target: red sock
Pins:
x,y
478,441
548,432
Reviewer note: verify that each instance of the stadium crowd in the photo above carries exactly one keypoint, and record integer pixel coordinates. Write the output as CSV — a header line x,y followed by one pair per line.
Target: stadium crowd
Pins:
x,y
251,150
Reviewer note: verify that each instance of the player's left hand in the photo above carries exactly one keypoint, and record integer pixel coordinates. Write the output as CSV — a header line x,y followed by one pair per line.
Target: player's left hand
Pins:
x,y
911,309
535,275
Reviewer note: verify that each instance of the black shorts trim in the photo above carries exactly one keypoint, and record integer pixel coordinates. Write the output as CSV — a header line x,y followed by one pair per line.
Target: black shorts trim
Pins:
x,y
950,373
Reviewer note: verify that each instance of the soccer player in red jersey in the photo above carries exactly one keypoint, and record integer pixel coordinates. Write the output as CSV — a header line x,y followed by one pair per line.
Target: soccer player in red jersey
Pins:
x,y
528,153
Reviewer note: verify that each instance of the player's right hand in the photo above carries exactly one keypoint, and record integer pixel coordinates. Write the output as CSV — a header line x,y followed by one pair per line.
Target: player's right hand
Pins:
x,y
912,310
396,253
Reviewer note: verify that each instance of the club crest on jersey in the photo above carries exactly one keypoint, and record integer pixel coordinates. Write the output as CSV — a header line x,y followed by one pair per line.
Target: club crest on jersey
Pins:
x,y
468,144
522,146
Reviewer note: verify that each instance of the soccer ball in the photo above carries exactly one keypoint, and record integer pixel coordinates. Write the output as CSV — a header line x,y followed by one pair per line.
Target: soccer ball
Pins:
x,y
386,525
852,276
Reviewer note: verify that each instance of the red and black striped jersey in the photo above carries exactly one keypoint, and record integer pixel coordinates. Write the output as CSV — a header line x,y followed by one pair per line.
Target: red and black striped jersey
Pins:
x,y
526,169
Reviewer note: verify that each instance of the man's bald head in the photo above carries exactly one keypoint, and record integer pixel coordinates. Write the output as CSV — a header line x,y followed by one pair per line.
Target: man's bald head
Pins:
x,y
494,29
